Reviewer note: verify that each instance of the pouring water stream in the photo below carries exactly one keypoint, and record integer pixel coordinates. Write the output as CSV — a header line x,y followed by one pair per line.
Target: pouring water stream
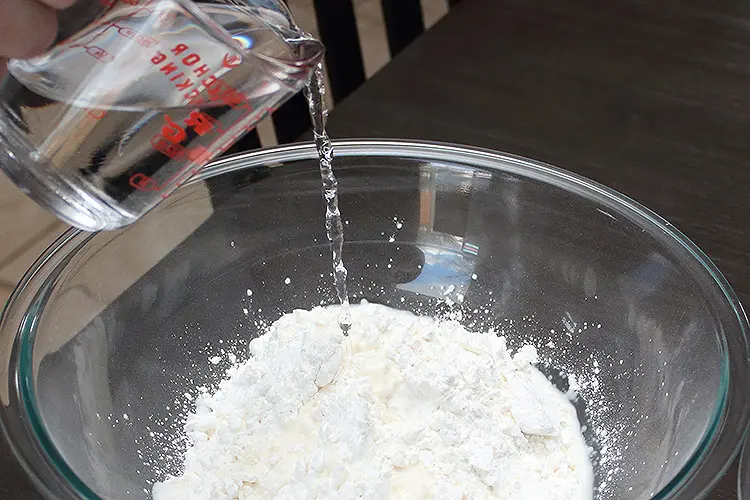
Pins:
x,y
315,93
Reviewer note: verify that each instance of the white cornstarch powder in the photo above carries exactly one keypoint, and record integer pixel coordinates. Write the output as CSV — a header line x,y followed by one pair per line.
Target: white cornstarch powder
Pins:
x,y
405,407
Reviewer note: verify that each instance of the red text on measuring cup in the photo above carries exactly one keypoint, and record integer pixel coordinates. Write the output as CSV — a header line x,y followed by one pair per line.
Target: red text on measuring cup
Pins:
x,y
188,73
110,3
100,54
130,33
143,182
96,114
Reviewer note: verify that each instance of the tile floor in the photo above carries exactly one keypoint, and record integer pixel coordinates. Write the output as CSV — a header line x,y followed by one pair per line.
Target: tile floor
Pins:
x,y
26,229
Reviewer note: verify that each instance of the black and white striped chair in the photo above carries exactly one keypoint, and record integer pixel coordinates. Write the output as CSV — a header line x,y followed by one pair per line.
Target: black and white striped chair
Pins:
x,y
337,29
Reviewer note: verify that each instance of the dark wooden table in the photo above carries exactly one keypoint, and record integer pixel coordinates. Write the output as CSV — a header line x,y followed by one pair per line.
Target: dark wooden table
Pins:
x,y
649,97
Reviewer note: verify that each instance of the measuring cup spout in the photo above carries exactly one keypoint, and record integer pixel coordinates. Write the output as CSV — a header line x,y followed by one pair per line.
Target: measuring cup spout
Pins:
x,y
304,51
294,72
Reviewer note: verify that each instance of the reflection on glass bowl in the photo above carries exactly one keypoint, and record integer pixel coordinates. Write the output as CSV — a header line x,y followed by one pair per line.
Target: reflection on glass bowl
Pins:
x,y
122,323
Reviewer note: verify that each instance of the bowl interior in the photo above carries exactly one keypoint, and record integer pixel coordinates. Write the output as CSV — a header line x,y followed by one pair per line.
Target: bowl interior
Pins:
x,y
127,325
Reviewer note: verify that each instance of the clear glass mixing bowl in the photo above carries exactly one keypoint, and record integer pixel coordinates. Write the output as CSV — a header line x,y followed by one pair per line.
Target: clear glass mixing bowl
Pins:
x,y
743,473
107,332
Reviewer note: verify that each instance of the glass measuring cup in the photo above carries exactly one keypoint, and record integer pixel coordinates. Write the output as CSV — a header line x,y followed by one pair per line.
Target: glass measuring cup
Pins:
x,y
137,95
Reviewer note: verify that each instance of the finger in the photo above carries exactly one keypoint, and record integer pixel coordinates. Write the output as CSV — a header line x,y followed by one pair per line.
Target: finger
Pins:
x,y
27,28
59,4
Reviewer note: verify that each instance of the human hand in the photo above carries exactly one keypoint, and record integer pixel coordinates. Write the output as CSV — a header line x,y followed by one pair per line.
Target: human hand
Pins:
x,y
27,27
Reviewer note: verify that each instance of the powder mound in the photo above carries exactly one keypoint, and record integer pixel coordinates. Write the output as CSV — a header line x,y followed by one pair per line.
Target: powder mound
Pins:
x,y
405,407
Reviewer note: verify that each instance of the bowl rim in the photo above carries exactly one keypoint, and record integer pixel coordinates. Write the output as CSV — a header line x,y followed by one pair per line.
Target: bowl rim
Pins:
x,y
682,485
